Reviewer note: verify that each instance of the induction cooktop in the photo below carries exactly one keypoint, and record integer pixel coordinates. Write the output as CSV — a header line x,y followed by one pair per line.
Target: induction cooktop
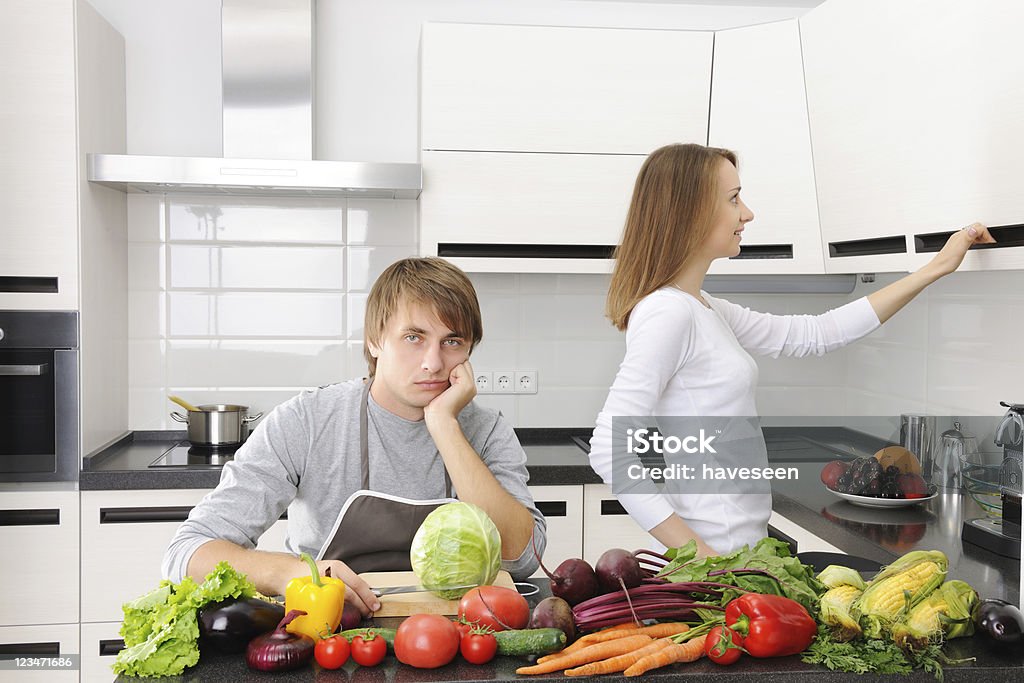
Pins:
x,y
183,454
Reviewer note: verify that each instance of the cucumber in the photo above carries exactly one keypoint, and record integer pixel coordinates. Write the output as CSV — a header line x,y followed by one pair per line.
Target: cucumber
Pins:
x,y
530,641
388,634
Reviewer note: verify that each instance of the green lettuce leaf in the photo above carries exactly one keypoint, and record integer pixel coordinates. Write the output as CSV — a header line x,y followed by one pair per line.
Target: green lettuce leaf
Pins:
x,y
160,628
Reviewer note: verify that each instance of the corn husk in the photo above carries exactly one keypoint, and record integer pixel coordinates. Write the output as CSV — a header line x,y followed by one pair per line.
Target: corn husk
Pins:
x,y
897,589
834,611
836,575
944,614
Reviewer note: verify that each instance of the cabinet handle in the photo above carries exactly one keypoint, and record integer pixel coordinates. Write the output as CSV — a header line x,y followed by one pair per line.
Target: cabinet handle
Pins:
x,y
47,517
109,648
763,251
570,251
25,370
897,244
177,513
612,507
551,508
1005,236
31,285
9,650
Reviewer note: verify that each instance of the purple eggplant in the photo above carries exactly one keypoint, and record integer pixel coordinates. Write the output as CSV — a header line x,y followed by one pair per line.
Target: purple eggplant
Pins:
x,y
228,626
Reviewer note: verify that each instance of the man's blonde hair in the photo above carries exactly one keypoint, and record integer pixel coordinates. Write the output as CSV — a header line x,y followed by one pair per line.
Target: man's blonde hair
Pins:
x,y
428,281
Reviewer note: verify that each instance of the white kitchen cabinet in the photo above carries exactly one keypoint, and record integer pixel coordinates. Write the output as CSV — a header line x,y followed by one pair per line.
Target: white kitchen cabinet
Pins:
x,y
915,125
759,110
133,528
505,212
562,507
100,644
562,89
607,525
51,640
62,75
39,535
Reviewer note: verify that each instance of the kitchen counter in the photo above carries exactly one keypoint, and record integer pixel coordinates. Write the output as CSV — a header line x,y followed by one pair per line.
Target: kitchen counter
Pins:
x,y
551,458
878,535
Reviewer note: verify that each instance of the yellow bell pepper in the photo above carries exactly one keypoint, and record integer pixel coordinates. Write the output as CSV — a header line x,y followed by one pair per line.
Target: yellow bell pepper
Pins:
x,y
321,598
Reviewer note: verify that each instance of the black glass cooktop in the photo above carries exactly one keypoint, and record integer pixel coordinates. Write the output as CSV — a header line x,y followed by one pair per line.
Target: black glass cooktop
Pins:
x,y
184,454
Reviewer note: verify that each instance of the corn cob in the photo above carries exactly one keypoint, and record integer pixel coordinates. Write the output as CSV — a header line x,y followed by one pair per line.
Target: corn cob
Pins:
x,y
944,614
835,612
897,589
836,575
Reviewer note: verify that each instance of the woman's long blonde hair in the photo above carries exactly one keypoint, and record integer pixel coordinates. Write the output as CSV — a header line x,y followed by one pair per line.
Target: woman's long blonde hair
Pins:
x,y
671,213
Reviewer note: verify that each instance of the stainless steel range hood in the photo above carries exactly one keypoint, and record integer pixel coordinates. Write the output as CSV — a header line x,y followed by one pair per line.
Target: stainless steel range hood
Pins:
x,y
268,78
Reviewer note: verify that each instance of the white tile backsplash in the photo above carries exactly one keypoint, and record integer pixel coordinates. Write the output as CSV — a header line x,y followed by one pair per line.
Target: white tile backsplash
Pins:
x,y
252,299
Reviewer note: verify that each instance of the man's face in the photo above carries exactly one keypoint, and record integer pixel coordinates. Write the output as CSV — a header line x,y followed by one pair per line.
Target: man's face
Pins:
x,y
415,356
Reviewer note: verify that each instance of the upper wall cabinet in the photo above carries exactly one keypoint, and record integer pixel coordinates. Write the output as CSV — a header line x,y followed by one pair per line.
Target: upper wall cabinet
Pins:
x,y
555,89
532,137
915,109
759,110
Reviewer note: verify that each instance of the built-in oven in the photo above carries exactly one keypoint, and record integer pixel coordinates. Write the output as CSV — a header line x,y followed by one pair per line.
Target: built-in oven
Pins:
x,y
39,396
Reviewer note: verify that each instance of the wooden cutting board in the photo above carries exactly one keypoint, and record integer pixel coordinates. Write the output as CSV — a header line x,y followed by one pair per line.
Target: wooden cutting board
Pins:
x,y
405,604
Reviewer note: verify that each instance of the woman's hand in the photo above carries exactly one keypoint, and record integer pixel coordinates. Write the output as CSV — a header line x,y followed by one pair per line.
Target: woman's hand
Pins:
x,y
952,253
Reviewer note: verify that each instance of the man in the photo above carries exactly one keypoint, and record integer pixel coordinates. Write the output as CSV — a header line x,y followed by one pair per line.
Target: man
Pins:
x,y
411,430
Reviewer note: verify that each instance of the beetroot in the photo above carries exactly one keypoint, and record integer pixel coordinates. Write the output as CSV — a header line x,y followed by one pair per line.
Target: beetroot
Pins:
x,y
618,564
573,581
554,613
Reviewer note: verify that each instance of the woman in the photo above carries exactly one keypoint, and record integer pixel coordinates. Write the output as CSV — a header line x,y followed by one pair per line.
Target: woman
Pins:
x,y
688,353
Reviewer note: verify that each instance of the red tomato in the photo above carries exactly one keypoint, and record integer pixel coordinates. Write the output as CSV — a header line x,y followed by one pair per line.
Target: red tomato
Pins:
x,y
496,607
722,645
478,648
426,641
369,650
331,652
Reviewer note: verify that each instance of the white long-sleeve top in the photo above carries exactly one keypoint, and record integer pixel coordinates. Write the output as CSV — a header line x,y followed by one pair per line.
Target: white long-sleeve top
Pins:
x,y
685,359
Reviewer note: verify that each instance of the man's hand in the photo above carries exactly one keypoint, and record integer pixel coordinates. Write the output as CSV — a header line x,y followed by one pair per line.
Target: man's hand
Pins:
x,y
357,591
449,403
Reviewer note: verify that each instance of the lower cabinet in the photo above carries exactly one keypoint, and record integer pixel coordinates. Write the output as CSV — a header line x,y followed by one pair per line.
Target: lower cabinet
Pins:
x,y
608,525
41,641
134,527
562,507
100,645
39,535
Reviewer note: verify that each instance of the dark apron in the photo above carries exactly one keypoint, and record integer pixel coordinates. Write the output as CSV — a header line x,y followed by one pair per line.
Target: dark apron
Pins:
x,y
374,531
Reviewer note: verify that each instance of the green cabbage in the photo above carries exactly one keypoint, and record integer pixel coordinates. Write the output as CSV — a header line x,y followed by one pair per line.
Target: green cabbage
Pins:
x,y
457,545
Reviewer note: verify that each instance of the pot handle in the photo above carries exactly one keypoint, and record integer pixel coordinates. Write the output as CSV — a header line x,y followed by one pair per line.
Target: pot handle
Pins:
x,y
178,417
251,418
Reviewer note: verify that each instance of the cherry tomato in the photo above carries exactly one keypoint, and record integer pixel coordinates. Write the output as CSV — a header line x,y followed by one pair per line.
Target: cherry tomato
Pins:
x,y
426,641
369,650
478,647
463,627
496,607
722,645
332,653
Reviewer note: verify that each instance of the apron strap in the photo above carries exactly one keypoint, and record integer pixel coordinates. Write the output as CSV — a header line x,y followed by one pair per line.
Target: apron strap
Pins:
x,y
364,446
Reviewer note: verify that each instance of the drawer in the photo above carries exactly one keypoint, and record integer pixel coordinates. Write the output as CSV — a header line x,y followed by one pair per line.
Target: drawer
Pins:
x,y
52,640
606,525
562,507
100,645
39,534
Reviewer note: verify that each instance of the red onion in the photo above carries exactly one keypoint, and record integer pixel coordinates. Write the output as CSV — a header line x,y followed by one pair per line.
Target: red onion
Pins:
x,y
280,650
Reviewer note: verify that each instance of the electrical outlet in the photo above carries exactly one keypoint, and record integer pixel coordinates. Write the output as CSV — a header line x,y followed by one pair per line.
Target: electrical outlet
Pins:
x,y
484,382
504,381
526,382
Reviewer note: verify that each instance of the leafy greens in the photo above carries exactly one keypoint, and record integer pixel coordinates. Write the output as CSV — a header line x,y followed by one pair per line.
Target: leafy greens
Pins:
x,y
160,628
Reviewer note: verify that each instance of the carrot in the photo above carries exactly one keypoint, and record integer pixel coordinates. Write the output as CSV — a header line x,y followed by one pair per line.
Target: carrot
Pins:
x,y
620,663
583,641
690,651
591,653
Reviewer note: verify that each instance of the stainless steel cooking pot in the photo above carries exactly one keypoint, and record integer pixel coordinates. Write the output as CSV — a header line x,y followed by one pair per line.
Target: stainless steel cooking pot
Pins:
x,y
217,424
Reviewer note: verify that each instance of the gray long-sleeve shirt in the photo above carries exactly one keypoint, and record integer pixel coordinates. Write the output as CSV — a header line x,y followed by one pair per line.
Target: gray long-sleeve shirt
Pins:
x,y
304,456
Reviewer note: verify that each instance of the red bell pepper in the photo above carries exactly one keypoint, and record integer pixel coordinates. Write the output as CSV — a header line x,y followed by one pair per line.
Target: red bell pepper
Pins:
x,y
770,625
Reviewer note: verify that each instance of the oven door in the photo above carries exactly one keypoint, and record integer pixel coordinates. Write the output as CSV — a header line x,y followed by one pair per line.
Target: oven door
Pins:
x,y
38,414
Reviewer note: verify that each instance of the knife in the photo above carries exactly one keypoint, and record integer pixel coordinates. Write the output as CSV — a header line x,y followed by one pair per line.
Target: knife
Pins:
x,y
394,590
